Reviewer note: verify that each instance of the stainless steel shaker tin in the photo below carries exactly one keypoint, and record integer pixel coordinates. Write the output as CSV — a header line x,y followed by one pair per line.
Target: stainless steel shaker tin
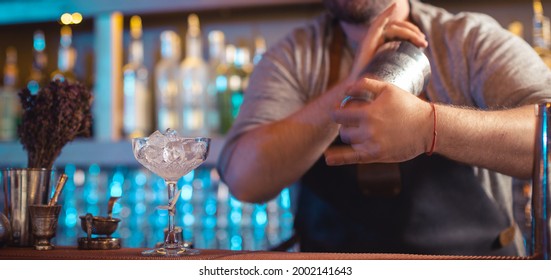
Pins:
x,y
23,187
402,64
541,180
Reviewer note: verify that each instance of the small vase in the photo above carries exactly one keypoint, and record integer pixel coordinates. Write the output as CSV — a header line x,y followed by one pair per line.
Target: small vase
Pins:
x,y
24,187
44,225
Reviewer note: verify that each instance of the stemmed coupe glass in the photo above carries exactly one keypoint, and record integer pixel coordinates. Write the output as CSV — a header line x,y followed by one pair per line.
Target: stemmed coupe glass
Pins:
x,y
171,156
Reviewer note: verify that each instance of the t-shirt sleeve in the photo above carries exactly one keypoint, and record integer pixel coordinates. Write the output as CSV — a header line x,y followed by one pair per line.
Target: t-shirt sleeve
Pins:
x,y
504,70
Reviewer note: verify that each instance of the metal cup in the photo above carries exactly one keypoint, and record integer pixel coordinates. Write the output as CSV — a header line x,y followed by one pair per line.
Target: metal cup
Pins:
x,y
541,180
23,187
400,63
98,225
5,230
44,221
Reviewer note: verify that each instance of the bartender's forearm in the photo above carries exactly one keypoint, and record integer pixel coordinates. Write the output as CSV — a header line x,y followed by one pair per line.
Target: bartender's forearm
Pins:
x,y
498,140
271,157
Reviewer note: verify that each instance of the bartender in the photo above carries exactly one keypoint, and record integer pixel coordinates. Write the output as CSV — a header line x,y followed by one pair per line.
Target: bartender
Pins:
x,y
427,174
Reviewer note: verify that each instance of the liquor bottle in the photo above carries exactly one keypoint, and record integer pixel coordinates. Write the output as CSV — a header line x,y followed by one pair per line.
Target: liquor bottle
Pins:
x,y
66,57
137,121
236,78
37,77
259,49
9,102
224,93
541,33
244,70
167,83
239,78
194,80
217,68
538,21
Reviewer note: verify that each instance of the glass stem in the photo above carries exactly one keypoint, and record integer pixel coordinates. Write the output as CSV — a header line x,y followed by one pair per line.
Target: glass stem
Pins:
x,y
172,239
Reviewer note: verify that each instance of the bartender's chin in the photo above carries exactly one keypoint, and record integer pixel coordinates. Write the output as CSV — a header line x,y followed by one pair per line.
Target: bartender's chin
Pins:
x,y
356,11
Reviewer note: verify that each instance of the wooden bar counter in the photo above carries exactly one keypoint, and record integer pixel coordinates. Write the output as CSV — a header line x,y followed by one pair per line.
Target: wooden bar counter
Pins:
x,y
72,253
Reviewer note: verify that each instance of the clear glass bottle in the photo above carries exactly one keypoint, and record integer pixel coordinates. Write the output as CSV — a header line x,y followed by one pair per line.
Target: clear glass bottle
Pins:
x,y
9,101
38,78
167,83
225,71
538,40
244,70
259,49
239,69
66,57
541,33
216,69
137,121
194,80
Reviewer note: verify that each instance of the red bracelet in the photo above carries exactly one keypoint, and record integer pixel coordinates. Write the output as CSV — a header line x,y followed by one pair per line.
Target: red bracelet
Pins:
x,y
429,153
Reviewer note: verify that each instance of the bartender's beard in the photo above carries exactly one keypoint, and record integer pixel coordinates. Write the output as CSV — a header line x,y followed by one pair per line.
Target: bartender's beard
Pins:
x,y
356,11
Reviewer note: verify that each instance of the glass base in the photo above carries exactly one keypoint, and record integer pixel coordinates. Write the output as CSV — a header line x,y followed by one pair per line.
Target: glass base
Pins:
x,y
171,252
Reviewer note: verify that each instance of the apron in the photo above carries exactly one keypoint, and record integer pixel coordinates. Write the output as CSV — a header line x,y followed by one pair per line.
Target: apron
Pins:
x,y
427,205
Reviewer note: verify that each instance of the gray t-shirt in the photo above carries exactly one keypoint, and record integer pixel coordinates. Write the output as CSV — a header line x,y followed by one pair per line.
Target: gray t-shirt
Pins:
x,y
475,63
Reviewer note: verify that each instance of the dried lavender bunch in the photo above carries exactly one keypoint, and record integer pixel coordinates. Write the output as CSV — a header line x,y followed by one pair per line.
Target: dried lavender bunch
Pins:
x,y
56,115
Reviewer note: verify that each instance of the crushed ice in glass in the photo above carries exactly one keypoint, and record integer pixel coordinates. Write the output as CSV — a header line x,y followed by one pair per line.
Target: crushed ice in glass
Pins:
x,y
157,139
171,134
199,150
173,151
153,153
171,156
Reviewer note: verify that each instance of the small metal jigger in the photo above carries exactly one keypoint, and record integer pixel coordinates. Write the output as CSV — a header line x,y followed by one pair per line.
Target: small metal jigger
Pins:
x,y
44,218
44,225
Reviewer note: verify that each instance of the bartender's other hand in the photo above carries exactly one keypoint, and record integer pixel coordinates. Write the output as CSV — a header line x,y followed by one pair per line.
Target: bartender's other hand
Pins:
x,y
393,126
384,28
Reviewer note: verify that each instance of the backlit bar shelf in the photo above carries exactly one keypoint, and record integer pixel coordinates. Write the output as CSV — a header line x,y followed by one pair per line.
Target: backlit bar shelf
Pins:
x,y
15,12
86,152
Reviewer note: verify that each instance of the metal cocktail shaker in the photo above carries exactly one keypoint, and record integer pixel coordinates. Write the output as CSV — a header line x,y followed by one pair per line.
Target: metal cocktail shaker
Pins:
x,y
541,195
24,187
400,63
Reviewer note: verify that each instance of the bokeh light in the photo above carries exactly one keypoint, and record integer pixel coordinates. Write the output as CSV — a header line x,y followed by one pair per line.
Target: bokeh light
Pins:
x,y
66,18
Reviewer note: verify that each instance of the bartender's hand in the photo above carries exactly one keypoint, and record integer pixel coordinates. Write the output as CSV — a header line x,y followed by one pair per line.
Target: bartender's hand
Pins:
x,y
394,126
383,28
386,26
369,126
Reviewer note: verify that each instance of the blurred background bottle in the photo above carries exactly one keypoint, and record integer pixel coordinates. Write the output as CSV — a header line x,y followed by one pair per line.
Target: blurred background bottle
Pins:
x,y
259,49
9,101
219,84
167,83
541,31
194,79
224,91
238,86
137,120
37,77
66,57
217,46
236,77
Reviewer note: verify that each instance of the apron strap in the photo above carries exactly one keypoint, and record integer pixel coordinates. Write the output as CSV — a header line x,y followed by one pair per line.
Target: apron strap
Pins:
x,y
335,54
